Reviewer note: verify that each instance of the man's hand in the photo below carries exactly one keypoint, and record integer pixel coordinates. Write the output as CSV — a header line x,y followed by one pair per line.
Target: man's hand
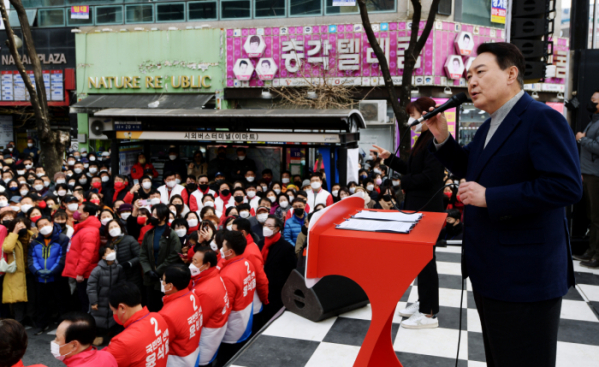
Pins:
x,y
80,278
580,135
95,307
134,189
438,126
471,193
382,152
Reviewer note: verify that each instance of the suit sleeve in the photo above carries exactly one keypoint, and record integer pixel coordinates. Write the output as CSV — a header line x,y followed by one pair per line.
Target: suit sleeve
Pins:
x,y
452,156
431,174
554,156
88,246
92,286
397,164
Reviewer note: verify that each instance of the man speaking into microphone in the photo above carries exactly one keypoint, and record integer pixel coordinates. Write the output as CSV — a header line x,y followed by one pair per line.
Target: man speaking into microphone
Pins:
x,y
522,170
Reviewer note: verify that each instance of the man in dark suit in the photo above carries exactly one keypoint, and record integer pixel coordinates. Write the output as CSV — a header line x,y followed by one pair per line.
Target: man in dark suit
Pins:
x,y
522,170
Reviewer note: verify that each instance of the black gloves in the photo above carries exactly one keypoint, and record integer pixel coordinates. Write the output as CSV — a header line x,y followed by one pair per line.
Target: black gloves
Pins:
x,y
153,275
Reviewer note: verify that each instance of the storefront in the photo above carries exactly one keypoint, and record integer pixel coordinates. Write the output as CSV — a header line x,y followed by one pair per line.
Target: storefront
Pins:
x,y
56,51
139,98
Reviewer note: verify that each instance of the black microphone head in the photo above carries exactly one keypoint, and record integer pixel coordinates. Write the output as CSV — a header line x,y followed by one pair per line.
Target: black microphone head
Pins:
x,y
460,98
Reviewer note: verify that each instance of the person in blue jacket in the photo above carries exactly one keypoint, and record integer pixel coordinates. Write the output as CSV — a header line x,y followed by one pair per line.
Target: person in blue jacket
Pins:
x,y
521,169
32,150
293,225
46,259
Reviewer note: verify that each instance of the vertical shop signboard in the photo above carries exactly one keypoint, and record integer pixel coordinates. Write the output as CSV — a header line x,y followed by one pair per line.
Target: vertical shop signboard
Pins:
x,y
56,85
7,86
19,87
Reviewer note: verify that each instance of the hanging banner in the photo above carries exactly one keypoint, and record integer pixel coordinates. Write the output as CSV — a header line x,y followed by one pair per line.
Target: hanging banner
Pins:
x,y
498,11
80,12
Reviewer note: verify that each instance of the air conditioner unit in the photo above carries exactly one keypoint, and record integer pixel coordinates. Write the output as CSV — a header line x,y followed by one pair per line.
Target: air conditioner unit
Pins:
x,y
374,111
97,126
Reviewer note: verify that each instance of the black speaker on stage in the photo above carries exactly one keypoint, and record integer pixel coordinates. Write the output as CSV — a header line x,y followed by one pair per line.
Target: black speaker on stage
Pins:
x,y
530,28
331,296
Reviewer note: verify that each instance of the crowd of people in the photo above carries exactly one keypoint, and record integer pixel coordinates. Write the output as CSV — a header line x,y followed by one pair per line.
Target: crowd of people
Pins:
x,y
197,262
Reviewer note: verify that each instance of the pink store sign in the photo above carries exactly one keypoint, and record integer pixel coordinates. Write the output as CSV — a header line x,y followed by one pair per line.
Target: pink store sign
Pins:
x,y
343,54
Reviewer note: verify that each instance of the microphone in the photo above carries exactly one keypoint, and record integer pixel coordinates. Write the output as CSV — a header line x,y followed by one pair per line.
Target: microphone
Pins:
x,y
454,101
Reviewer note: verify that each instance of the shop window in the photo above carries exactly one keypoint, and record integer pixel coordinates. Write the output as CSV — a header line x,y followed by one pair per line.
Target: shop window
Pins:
x,y
475,12
201,10
299,8
170,12
269,8
109,15
13,18
235,9
50,18
334,10
139,13
78,22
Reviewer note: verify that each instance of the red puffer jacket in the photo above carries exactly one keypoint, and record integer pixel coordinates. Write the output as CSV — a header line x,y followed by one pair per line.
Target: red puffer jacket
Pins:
x,y
83,252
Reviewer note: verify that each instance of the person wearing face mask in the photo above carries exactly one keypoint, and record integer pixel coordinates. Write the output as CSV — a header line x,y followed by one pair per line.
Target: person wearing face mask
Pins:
x,y
254,200
221,164
386,199
159,249
421,180
46,259
141,190
225,198
106,275
249,178
242,164
139,168
142,328
127,251
171,187
175,164
118,191
18,288
197,196
82,256
182,312
293,225
318,195
279,261
396,184
284,206
208,285
589,167
198,166
193,222
301,243
73,343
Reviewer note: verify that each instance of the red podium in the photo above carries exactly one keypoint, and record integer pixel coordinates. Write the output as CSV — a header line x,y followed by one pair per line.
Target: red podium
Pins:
x,y
395,260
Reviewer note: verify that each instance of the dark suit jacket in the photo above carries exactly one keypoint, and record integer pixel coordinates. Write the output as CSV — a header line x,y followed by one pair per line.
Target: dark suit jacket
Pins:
x,y
422,178
517,249
279,264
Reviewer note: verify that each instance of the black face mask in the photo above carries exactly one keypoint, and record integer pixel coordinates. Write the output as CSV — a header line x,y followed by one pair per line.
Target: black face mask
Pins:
x,y
221,155
238,199
225,192
305,230
153,221
191,187
592,107
298,212
203,187
179,207
219,182
6,222
23,232
387,197
63,226
260,194
297,183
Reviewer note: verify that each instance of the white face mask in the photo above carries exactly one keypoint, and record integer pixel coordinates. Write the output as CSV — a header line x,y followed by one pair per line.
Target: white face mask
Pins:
x,y
62,192
396,183
155,201
262,217
105,221
370,187
194,270
55,350
125,215
267,232
209,203
92,158
377,171
241,157
20,173
291,197
25,207
277,191
29,166
213,246
181,232
85,165
178,181
15,208
285,180
83,181
335,192
272,198
146,185
284,204
78,170
3,203
244,214
171,183
264,187
111,256
191,223
250,179
46,183
162,287
93,170
46,230
172,157
60,181
230,227
315,185
418,128
251,194
73,207
24,192
105,178
30,145
115,232
410,120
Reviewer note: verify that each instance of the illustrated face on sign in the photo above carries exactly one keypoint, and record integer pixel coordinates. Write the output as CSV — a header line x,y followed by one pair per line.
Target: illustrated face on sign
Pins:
x,y
464,43
454,67
254,46
243,69
266,68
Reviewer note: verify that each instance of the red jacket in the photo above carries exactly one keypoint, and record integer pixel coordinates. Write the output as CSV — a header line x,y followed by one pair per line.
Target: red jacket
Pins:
x,y
239,276
182,312
253,254
144,340
142,233
91,358
83,252
137,171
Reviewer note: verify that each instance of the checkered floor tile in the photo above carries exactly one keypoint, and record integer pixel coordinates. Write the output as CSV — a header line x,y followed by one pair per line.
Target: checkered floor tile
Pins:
x,y
294,341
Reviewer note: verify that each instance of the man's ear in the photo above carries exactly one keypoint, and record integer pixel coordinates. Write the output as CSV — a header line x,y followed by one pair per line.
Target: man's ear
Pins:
x,y
512,74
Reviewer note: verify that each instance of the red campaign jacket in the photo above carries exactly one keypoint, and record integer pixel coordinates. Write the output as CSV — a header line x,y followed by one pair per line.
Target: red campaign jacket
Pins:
x,y
210,289
182,312
253,254
145,341
83,252
91,358
137,171
239,276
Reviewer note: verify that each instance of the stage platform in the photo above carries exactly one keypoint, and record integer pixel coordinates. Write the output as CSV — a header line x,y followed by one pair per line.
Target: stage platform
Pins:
x,y
291,341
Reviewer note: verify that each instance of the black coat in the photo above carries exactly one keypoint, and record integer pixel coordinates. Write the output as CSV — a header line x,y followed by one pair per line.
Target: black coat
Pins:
x,y
127,254
176,166
242,166
421,177
279,264
109,195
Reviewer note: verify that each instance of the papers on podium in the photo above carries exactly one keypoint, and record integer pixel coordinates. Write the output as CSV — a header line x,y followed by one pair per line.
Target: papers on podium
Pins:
x,y
389,216
376,226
